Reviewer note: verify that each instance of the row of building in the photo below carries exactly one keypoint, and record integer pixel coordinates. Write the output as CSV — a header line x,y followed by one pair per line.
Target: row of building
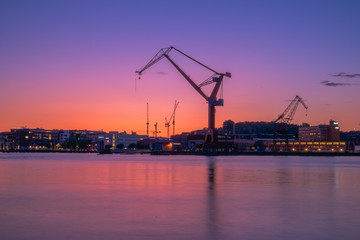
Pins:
x,y
324,137
312,138
42,139
307,138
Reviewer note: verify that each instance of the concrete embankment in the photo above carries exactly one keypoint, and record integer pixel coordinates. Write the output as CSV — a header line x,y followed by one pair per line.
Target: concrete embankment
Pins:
x,y
204,153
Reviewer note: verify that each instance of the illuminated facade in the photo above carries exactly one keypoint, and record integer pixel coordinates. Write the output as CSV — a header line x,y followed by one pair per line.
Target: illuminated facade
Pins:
x,y
27,139
307,146
312,139
329,132
6,141
115,138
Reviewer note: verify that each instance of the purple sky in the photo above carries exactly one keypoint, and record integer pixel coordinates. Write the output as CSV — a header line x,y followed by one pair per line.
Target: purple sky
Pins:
x,y
71,64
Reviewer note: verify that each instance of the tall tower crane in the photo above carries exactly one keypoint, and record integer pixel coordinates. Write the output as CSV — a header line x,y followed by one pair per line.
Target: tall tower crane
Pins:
x,y
172,118
285,118
212,100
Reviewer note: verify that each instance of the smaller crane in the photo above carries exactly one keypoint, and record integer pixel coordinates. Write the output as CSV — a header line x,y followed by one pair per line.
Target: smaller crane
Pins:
x,y
285,118
288,115
172,117
156,131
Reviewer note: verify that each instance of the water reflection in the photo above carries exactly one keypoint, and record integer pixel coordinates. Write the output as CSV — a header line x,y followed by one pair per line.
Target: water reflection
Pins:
x,y
146,197
212,209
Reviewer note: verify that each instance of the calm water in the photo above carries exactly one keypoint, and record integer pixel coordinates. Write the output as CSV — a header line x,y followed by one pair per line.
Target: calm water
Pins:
x,y
89,196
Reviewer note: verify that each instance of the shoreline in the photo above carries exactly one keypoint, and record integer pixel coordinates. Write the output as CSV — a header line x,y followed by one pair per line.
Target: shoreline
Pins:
x,y
312,154
202,153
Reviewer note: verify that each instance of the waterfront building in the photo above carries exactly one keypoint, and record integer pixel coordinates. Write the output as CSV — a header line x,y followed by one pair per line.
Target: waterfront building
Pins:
x,y
334,131
312,138
127,139
115,139
64,136
6,141
94,137
306,146
112,139
329,132
228,127
28,139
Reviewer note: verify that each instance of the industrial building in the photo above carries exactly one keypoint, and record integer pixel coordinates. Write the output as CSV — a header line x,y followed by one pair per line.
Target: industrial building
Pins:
x,y
329,132
306,146
312,138
26,139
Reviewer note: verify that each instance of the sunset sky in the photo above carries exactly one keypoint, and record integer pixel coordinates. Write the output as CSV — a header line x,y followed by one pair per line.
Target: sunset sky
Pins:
x,y
71,64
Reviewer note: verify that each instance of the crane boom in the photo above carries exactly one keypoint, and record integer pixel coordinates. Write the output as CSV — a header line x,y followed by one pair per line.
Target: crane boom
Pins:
x,y
160,55
212,100
192,83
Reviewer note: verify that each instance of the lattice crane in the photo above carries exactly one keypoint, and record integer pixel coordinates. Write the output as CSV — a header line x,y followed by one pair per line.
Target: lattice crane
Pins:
x,y
288,115
285,118
172,118
212,100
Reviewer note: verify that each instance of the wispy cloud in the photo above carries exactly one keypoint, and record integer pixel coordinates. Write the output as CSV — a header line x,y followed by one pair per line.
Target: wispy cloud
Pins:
x,y
161,73
336,84
346,75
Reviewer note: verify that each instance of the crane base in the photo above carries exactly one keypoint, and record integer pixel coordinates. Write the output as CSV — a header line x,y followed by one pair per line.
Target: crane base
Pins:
x,y
211,136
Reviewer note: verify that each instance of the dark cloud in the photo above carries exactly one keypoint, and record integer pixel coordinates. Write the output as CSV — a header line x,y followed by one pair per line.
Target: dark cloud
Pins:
x,y
346,75
161,73
335,84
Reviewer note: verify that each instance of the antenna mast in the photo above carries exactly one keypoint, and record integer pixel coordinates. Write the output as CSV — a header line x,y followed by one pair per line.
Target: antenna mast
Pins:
x,y
147,117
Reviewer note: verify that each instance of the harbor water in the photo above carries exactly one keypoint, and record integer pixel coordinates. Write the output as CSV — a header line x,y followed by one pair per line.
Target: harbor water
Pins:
x,y
90,196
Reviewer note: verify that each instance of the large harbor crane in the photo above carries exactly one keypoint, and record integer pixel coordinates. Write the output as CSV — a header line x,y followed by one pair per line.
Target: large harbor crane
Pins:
x,y
212,100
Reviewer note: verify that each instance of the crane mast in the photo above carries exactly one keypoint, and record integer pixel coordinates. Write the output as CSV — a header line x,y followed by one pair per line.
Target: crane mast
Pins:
x,y
212,100
156,130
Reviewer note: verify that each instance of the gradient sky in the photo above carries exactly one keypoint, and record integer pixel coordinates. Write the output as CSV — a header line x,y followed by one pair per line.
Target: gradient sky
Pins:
x,y
71,64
